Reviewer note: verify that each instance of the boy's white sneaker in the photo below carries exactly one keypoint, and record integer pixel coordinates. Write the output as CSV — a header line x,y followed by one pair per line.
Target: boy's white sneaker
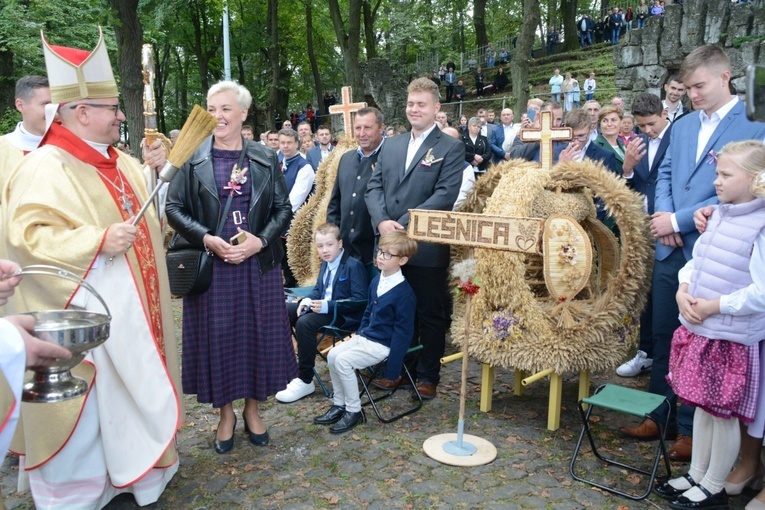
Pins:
x,y
295,390
637,365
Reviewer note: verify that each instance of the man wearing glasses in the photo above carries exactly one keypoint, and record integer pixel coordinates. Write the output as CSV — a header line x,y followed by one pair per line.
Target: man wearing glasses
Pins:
x,y
581,146
70,203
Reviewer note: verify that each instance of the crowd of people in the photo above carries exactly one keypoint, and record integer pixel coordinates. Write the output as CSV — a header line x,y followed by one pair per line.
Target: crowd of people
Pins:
x,y
700,334
615,23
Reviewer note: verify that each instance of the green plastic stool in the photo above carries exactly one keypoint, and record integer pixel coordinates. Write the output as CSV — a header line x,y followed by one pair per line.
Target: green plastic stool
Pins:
x,y
629,401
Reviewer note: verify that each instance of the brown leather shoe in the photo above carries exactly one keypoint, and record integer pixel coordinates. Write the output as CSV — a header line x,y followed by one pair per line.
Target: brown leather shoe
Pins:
x,y
681,450
386,384
427,390
645,431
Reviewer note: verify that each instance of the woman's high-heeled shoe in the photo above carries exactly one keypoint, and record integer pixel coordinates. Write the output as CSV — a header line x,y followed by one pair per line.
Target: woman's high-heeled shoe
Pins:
x,y
225,445
256,439
753,482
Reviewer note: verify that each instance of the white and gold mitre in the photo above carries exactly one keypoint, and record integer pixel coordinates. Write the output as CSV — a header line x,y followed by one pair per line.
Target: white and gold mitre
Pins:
x,y
77,74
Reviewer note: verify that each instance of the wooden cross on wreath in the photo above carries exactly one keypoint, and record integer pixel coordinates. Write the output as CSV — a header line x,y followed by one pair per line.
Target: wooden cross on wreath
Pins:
x,y
546,136
346,107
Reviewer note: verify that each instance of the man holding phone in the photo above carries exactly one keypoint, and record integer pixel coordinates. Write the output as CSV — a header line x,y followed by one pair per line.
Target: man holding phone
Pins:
x,y
529,150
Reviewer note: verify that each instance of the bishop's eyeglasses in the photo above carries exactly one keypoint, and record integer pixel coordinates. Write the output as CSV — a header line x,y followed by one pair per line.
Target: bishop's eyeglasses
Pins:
x,y
115,107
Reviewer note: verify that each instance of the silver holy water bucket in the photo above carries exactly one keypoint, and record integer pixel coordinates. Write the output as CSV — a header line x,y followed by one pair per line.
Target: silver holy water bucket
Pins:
x,y
75,330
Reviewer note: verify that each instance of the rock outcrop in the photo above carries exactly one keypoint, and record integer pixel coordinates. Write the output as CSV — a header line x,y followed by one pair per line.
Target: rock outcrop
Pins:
x,y
647,57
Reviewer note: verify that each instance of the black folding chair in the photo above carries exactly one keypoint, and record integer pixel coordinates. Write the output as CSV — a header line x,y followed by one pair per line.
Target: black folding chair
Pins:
x,y
376,371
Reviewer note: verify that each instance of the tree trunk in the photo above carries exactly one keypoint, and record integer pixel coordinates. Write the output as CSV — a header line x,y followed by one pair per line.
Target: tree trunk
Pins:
x,y
161,63
479,20
278,93
7,84
520,71
182,83
568,10
349,42
312,56
129,35
370,14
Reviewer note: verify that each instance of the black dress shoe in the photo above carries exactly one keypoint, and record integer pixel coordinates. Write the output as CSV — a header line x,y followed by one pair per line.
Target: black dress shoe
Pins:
x,y
666,491
347,422
332,416
256,439
228,444
717,501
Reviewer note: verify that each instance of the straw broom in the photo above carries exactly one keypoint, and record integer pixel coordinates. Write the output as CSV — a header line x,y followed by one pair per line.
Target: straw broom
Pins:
x,y
197,127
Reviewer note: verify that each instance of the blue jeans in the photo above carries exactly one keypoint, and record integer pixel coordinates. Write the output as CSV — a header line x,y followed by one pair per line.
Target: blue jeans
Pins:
x,y
615,33
641,23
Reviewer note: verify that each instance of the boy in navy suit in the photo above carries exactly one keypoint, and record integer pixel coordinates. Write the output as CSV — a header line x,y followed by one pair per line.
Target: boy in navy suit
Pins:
x,y
340,277
386,331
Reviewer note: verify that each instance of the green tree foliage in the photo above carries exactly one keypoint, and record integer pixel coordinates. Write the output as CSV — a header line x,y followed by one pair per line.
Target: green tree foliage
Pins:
x,y
188,48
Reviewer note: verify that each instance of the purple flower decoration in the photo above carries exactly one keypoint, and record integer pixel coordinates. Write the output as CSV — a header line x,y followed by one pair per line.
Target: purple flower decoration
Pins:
x,y
506,325
712,157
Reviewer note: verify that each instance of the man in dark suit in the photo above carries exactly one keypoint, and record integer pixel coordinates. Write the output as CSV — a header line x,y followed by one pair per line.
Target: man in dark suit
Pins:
x,y
642,159
683,185
347,207
486,127
421,169
317,153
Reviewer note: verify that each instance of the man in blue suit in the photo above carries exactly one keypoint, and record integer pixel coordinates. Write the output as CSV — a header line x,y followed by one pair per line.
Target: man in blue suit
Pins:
x,y
502,136
321,150
642,160
684,184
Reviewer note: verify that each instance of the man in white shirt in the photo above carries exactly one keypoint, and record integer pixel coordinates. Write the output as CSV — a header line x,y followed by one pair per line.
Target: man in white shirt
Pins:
x,y
642,159
675,91
502,137
299,176
589,87
685,184
319,153
420,170
486,127
32,94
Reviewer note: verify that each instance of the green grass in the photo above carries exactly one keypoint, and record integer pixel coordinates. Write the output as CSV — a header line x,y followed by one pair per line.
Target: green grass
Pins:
x,y
598,59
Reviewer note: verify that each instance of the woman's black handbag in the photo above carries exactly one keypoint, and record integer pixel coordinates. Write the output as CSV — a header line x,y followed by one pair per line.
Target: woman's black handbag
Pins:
x,y
189,268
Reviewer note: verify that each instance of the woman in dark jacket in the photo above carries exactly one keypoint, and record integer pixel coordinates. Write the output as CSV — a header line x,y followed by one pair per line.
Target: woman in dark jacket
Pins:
x,y
500,80
477,148
236,336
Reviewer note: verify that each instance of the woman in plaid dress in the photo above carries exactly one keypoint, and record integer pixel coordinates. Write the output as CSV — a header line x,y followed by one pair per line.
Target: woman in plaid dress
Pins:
x,y
714,360
236,336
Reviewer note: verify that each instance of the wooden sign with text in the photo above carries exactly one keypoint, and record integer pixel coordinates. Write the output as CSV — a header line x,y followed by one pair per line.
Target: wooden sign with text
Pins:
x,y
477,230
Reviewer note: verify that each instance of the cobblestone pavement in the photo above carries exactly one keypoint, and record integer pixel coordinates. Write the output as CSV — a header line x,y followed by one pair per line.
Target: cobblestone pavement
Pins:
x,y
379,466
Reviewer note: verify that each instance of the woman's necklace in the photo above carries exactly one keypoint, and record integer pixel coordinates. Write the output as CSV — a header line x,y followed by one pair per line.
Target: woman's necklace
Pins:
x,y
127,204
